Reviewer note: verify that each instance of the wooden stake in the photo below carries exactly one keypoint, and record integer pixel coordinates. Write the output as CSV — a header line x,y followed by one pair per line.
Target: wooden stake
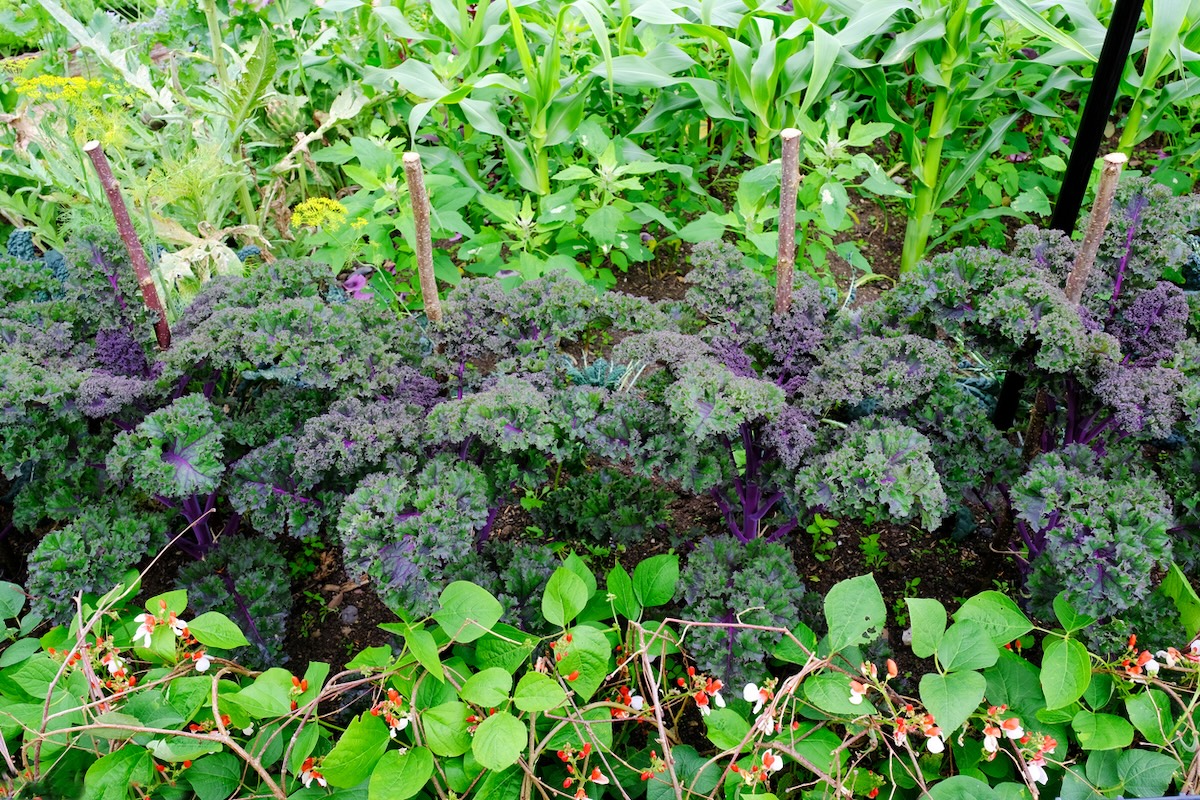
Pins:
x,y
1097,223
420,205
785,264
137,256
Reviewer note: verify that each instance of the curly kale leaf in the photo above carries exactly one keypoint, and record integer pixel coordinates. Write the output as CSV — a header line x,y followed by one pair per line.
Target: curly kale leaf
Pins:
x,y
726,581
1096,528
242,579
511,416
733,300
176,452
604,506
90,554
879,470
708,400
265,490
405,534
886,372
354,437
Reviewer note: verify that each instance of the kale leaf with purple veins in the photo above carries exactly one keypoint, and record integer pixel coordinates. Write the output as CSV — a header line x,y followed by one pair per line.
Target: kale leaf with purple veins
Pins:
x,y
354,437
890,372
752,583
793,340
733,301
265,490
1094,527
1146,234
406,533
877,470
709,400
176,452
972,460
240,578
791,434
38,413
509,417
119,353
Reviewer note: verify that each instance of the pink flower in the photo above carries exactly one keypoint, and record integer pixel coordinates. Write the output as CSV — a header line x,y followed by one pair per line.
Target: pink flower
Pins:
x,y
857,692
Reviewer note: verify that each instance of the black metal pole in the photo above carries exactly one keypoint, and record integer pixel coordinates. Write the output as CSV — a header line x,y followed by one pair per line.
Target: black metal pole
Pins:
x,y
1084,150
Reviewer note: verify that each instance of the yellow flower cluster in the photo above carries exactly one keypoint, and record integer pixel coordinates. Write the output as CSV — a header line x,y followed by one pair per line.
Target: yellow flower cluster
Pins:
x,y
319,212
57,89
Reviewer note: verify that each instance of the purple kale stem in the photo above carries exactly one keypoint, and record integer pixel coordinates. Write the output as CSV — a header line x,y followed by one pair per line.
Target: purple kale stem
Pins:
x,y
242,609
783,530
1138,205
485,532
1100,428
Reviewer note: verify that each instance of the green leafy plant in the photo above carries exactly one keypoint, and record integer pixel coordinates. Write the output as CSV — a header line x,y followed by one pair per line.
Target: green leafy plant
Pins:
x,y
822,531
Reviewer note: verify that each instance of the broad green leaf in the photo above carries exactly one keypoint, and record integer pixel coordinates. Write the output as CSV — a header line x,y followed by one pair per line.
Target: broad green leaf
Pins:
x,y
487,688
357,751
445,729
797,652
215,777
999,616
1068,617
175,601
962,787
695,772
399,776
217,630
1177,587
565,596
726,728
576,565
503,785
830,692
952,698
110,776
538,692
966,646
855,612
269,695
621,587
928,618
705,228
1066,672
467,611
573,173
1150,713
499,741
1102,731
425,650
506,647
1145,774
655,579
603,224
12,600
179,748
588,654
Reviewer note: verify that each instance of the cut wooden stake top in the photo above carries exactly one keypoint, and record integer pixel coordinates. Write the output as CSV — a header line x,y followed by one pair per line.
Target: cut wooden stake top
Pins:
x,y
785,262
1097,223
137,256
420,206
